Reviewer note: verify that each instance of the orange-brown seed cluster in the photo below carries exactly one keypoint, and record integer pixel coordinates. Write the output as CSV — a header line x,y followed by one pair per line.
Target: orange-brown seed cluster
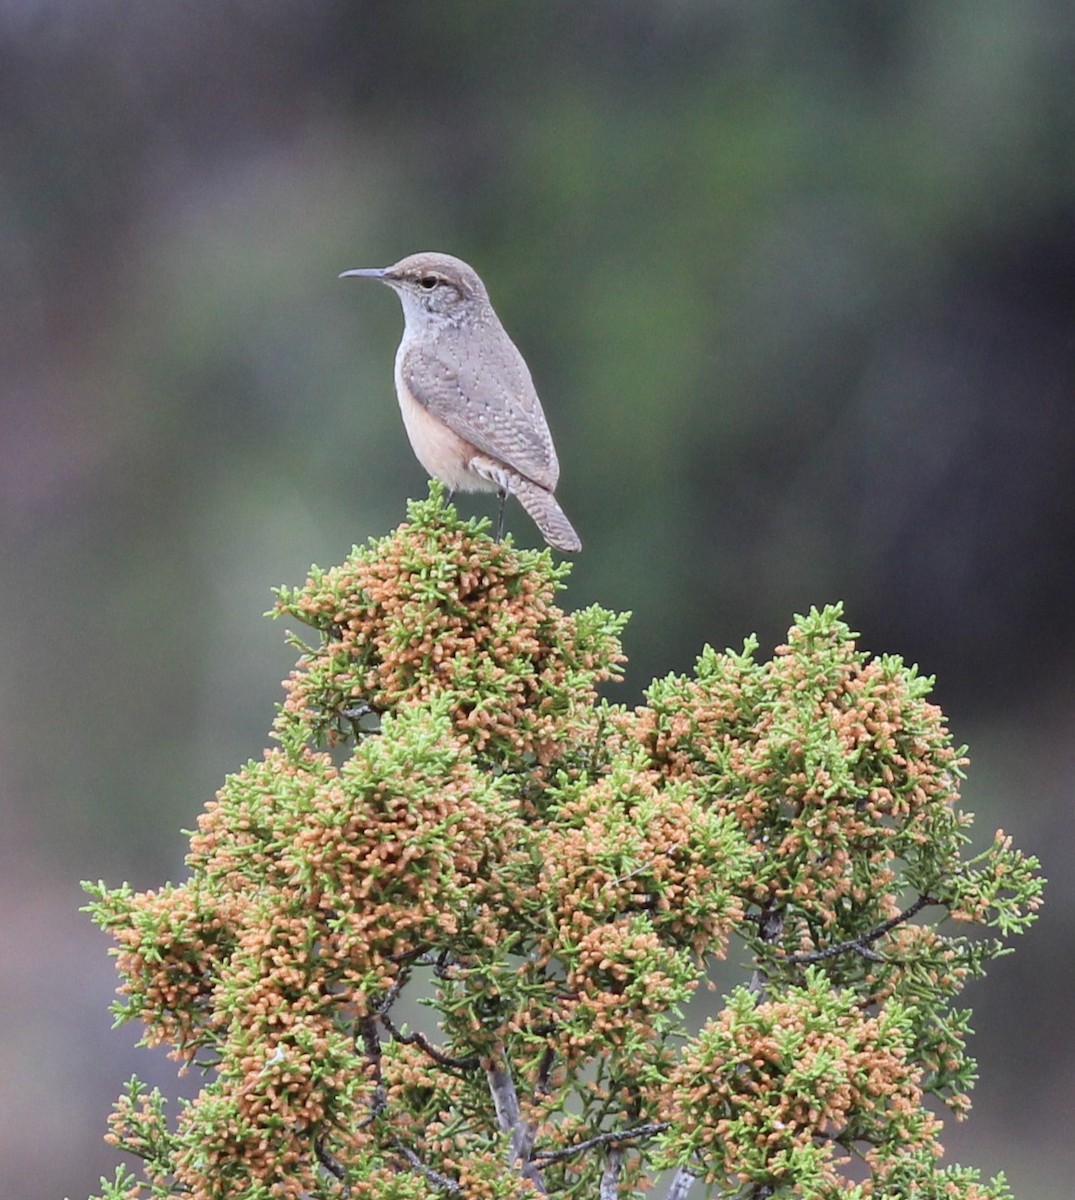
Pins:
x,y
483,629
832,762
756,1090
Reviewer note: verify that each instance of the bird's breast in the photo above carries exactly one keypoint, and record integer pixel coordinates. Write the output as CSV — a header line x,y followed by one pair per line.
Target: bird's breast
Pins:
x,y
443,453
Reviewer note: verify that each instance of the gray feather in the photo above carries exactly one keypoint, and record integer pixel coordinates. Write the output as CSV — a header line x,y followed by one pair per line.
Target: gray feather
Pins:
x,y
477,383
548,516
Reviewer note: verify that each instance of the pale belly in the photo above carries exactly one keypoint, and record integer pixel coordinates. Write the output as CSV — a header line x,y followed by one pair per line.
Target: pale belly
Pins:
x,y
444,454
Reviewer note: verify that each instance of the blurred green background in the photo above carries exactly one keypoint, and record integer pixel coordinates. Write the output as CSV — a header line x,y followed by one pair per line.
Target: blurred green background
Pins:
x,y
797,286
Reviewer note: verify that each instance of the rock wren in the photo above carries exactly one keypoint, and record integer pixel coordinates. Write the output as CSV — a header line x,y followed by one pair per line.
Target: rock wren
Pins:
x,y
468,402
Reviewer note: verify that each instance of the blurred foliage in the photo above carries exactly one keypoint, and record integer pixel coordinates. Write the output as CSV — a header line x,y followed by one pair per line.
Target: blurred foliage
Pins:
x,y
796,284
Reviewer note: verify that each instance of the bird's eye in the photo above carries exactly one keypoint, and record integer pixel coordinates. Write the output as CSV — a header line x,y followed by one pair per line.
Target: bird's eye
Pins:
x,y
428,282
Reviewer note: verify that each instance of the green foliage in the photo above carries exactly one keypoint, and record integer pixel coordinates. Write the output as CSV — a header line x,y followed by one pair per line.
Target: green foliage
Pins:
x,y
452,815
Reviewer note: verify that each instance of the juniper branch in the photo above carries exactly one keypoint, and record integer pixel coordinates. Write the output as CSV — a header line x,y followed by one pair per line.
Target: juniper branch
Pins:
x,y
610,1176
860,944
470,1063
681,1184
434,1177
611,1137
522,1133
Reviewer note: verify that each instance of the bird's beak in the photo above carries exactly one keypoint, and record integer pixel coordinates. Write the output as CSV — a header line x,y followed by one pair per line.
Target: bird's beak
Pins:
x,y
366,272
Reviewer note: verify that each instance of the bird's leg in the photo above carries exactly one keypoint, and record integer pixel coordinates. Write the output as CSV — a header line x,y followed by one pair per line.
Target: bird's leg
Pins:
x,y
502,495
450,496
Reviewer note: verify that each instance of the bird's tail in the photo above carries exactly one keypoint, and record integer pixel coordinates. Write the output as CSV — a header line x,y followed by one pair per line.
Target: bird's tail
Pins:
x,y
546,514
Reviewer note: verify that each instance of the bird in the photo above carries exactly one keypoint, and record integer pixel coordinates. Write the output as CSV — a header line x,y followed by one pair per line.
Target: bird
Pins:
x,y
468,401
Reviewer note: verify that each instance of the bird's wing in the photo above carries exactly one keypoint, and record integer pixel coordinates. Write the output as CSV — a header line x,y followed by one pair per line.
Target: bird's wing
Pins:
x,y
485,396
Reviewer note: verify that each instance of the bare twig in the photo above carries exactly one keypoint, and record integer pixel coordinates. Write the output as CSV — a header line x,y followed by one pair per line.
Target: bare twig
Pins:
x,y
470,1063
434,1177
612,1137
372,1045
541,1086
770,928
861,945
393,993
378,1103
330,1162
